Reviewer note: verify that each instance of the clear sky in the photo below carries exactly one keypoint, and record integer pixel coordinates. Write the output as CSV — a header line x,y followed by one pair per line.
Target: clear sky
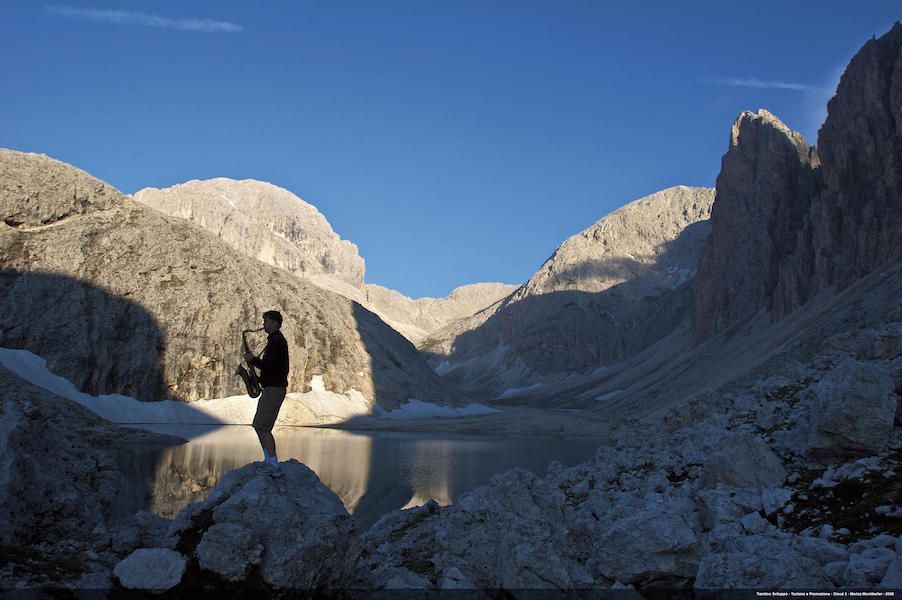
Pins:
x,y
453,142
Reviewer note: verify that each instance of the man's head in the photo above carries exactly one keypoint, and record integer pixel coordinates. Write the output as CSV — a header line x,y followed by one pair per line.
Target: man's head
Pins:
x,y
272,321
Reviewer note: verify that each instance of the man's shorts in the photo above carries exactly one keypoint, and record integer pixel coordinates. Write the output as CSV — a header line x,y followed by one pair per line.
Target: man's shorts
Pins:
x,y
268,407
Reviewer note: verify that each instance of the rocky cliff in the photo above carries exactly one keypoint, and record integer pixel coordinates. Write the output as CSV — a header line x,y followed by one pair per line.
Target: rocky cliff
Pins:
x,y
120,298
790,222
273,225
767,181
263,221
606,293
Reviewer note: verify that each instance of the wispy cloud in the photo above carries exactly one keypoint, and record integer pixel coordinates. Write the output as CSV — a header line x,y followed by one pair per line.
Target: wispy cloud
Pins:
x,y
122,17
753,82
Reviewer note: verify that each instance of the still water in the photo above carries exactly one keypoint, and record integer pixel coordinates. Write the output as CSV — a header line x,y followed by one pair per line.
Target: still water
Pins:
x,y
372,472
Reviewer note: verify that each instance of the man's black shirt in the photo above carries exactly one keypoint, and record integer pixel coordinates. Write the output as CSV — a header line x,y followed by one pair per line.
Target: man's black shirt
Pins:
x,y
274,363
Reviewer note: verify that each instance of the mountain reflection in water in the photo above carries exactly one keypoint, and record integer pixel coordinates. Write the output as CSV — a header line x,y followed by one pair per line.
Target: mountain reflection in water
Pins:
x,y
372,472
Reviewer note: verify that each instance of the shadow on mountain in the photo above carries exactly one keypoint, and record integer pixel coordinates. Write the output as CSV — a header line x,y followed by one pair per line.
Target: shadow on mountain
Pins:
x,y
103,344
399,372
574,331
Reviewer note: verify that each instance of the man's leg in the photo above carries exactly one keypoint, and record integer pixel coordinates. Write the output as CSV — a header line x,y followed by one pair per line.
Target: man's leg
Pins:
x,y
267,412
267,441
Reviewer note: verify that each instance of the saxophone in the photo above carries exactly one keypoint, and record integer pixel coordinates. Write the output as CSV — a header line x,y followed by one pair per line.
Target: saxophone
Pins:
x,y
249,375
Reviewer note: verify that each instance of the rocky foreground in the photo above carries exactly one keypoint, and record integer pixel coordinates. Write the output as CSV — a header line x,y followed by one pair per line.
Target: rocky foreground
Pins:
x,y
793,482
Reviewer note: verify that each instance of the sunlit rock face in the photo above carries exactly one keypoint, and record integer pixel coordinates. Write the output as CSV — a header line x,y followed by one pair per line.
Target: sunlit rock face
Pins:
x,y
274,226
790,221
263,221
418,318
132,301
606,293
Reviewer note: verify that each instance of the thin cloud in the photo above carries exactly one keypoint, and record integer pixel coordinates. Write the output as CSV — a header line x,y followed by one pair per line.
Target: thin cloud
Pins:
x,y
122,17
761,84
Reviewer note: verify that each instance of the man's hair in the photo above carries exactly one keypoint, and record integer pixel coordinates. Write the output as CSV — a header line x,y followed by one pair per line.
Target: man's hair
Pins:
x,y
274,315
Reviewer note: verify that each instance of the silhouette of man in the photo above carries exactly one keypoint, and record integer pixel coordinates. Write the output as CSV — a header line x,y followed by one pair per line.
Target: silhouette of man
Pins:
x,y
273,365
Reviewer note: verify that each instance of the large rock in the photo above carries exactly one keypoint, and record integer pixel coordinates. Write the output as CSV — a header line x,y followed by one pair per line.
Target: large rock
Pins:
x,y
34,191
151,569
505,535
659,542
742,461
605,294
285,519
759,562
62,489
142,304
229,550
767,179
853,411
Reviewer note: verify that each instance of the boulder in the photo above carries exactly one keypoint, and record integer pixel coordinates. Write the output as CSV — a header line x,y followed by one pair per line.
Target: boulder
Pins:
x,y
868,568
659,541
742,460
892,579
151,569
853,411
759,562
283,518
229,550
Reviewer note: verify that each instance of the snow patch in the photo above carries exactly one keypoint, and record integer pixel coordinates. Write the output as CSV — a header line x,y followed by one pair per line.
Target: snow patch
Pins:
x,y
443,368
317,407
417,409
678,275
226,198
519,391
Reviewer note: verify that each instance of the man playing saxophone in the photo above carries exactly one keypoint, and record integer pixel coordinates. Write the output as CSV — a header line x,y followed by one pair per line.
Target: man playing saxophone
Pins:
x,y
273,365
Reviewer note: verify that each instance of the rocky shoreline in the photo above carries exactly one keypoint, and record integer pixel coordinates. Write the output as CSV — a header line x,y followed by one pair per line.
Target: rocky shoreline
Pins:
x,y
754,489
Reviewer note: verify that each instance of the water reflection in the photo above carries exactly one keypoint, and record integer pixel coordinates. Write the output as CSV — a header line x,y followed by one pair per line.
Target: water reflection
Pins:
x,y
372,472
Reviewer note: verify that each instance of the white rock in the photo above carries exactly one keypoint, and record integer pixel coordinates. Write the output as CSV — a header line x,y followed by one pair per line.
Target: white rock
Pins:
x,y
153,569
302,525
753,523
743,461
820,550
881,541
869,567
774,499
893,577
659,540
835,571
853,410
759,561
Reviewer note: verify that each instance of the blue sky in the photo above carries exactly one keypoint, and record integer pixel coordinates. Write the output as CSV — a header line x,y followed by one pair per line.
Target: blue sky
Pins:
x,y
453,142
